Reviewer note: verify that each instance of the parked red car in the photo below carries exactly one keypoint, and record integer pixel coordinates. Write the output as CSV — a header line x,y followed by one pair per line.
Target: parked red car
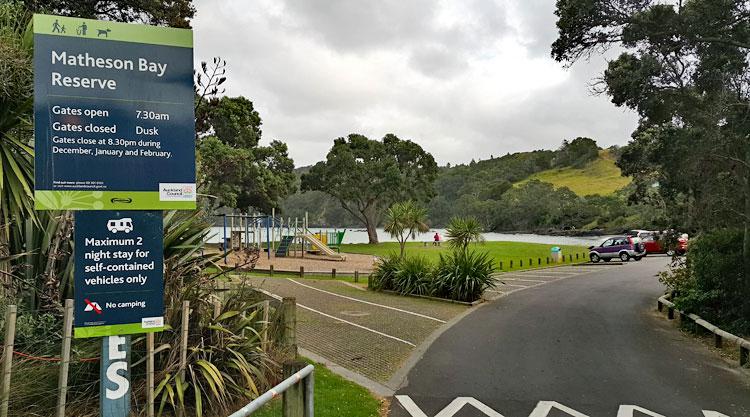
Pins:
x,y
654,242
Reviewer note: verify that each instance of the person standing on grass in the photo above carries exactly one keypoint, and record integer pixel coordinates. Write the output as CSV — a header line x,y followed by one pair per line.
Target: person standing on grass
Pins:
x,y
436,239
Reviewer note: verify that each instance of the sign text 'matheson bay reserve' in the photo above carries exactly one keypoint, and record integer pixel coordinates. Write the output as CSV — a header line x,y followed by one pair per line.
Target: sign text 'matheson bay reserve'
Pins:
x,y
88,61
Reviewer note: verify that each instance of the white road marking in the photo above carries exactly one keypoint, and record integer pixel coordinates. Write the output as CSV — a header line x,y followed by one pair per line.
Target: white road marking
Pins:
x,y
543,408
514,285
270,294
450,410
406,342
629,411
367,302
519,279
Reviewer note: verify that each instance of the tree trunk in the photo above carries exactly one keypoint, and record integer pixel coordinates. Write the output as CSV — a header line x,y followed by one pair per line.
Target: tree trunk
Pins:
x,y
372,232
746,237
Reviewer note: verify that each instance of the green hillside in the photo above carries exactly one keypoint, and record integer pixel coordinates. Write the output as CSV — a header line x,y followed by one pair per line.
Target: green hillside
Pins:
x,y
600,176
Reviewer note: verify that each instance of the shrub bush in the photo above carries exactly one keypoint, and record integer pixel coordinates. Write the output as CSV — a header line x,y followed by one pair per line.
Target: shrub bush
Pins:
x,y
381,278
460,276
463,276
414,276
712,281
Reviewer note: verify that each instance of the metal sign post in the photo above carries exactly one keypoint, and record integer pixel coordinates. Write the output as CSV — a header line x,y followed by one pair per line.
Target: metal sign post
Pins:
x,y
114,389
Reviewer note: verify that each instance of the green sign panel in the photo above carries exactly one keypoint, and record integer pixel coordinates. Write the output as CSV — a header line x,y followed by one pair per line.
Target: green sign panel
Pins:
x,y
114,116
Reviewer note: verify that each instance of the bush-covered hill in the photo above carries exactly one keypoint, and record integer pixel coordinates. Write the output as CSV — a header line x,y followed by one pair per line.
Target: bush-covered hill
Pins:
x,y
575,187
599,176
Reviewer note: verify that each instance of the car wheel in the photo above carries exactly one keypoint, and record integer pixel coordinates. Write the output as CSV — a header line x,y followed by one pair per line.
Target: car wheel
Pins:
x,y
624,257
594,257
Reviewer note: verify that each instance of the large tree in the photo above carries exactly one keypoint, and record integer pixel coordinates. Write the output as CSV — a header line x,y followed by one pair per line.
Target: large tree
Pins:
x,y
366,176
175,13
685,68
233,166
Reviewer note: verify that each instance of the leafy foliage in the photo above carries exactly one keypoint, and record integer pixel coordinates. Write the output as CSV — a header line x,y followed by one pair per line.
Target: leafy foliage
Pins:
x,y
460,275
367,176
710,283
463,275
175,13
405,219
234,167
463,231
385,270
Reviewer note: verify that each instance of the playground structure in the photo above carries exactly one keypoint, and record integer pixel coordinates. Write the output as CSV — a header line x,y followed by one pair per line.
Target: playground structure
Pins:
x,y
280,236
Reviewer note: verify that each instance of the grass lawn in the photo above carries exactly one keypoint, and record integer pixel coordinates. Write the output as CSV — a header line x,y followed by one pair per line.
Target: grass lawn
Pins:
x,y
601,177
334,397
501,251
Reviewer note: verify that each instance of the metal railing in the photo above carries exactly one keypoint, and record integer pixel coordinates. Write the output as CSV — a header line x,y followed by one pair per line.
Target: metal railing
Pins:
x,y
719,334
306,376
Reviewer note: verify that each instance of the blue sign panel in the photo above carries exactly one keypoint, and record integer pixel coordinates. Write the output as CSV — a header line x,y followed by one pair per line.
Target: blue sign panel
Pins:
x,y
114,116
119,267
114,389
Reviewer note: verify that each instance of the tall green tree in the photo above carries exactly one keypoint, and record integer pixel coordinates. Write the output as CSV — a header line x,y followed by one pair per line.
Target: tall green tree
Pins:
x,y
686,70
366,176
404,220
233,166
175,13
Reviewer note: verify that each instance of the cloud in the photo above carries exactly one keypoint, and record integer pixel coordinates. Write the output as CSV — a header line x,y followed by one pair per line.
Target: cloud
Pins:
x,y
465,79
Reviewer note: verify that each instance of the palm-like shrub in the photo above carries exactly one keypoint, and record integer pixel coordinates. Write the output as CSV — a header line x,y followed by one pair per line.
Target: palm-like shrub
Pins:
x,y
462,231
381,278
463,275
414,276
404,220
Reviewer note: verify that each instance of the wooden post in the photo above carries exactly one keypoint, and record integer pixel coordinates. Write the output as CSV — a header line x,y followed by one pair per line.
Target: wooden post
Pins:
x,y
531,262
501,265
266,325
356,277
62,379
520,263
548,260
293,400
183,348
150,374
511,264
10,335
301,271
217,308
289,316
718,341
333,273
744,355
270,270
670,313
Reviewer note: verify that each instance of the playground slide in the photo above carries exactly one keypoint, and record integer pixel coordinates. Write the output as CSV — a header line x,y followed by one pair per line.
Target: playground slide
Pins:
x,y
322,246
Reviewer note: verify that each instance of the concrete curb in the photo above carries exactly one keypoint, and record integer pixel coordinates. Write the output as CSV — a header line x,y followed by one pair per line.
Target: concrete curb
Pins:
x,y
375,387
427,297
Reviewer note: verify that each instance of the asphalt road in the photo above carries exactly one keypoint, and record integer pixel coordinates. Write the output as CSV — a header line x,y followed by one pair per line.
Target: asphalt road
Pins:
x,y
591,344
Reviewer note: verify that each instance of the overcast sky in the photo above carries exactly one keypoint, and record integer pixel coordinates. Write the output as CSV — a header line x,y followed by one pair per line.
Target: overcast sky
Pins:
x,y
465,79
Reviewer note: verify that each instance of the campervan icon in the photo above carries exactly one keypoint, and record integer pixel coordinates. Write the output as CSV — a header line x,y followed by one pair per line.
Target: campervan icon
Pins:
x,y
122,225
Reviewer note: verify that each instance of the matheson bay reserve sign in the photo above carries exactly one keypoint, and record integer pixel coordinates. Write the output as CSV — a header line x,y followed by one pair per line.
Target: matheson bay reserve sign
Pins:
x,y
114,115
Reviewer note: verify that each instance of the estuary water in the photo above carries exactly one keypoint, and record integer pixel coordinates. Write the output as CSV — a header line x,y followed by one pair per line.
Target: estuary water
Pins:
x,y
358,235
